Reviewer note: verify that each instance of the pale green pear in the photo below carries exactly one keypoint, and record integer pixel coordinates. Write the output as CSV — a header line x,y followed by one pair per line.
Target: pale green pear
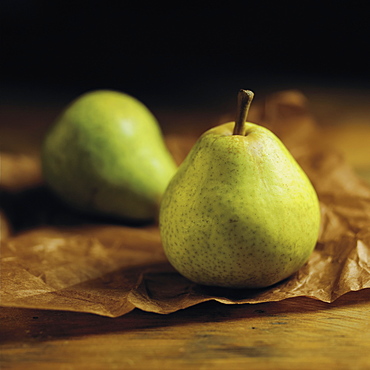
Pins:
x,y
240,212
106,155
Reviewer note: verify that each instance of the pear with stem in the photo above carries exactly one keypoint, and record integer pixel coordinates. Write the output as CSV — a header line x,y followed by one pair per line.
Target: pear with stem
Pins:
x,y
240,212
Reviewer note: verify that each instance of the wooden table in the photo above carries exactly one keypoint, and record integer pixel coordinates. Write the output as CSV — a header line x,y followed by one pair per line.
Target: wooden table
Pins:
x,y
298,333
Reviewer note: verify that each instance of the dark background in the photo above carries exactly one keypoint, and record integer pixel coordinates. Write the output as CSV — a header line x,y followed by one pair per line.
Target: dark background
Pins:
x,y
179,55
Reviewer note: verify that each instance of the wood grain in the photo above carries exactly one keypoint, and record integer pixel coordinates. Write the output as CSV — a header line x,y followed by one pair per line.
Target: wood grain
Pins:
x,y
298,333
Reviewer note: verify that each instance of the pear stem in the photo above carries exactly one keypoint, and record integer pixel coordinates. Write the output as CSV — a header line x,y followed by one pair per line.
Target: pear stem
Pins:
x,y
245,98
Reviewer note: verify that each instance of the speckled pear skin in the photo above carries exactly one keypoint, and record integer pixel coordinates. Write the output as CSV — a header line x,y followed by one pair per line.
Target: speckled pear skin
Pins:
x,y
240,212
106,155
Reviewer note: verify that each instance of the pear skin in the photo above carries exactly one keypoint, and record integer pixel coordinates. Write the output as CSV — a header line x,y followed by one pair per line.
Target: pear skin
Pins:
x,y
105,155
240,212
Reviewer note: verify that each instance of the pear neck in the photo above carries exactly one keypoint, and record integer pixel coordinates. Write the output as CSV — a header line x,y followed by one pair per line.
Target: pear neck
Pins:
x,y
245,98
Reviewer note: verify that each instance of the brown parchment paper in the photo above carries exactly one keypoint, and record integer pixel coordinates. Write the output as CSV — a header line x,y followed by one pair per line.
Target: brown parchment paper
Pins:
x,y
52,258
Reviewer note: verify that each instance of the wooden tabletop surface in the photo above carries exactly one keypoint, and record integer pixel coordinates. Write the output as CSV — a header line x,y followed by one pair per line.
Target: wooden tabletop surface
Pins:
x,y
299,333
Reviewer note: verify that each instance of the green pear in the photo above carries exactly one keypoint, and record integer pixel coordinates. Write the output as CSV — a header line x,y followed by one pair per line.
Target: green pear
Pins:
x,y
239,212
106,155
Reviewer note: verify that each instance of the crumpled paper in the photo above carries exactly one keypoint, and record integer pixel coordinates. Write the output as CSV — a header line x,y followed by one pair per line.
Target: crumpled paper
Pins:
x,y
53,258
